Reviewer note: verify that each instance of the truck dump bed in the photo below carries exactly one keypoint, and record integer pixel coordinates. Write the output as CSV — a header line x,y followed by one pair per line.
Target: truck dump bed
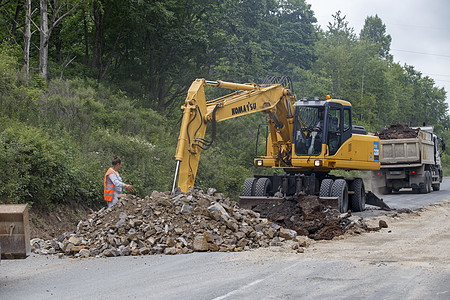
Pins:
x,y
407,151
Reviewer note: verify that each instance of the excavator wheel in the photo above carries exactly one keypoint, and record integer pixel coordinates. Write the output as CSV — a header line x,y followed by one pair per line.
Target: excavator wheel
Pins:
x,y
249,187
340,190
325,187
262,186
358,199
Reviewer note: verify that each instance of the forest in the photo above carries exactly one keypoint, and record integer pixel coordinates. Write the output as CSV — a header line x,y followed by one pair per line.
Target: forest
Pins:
x,y
82,80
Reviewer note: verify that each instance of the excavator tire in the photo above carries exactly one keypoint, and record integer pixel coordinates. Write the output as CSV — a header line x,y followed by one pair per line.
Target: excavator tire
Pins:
x,y
325,187
262,185
358,199
249,187
340,190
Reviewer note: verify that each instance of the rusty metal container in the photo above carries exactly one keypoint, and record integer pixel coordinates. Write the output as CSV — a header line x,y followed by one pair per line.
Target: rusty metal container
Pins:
x,y
14,231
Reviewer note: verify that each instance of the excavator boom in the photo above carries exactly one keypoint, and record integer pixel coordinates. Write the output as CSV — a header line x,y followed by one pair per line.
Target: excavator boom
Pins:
x,y
273,99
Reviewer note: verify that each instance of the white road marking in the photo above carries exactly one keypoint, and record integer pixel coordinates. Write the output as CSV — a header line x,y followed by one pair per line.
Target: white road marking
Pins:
x,y
252,283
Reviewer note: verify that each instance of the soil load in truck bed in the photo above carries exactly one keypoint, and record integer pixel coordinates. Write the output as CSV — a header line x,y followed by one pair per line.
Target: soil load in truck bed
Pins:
x,y
398,131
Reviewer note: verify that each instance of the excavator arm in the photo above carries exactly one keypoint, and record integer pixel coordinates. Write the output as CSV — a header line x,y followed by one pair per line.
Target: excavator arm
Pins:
x,y
273,99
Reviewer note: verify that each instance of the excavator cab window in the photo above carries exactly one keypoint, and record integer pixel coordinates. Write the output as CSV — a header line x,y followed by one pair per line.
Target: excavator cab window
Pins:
x,y
334,132
309,130
347,119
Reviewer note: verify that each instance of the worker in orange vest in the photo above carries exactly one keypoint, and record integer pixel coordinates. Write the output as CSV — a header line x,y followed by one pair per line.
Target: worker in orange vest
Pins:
x,y
113,183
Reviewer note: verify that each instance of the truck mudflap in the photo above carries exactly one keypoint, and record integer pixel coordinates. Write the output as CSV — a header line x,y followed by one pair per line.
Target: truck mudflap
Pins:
x,y
249,202
14,231
372,199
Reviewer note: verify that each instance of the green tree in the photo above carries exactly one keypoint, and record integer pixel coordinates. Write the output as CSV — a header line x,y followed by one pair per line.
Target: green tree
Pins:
x,y
374,32
334,60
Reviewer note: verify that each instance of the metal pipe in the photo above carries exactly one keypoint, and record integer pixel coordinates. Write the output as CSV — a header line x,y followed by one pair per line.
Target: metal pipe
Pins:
x,y
230,85
208,82
235,86
176,175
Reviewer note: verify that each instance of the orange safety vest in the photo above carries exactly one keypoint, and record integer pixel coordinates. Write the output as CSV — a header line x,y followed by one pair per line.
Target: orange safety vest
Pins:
x,y
108,191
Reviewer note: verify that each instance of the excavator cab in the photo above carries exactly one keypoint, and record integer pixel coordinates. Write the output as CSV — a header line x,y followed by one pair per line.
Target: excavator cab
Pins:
x,y
321,122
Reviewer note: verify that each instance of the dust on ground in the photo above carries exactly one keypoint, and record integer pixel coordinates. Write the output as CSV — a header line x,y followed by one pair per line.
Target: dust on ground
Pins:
x,y
418,238
412,239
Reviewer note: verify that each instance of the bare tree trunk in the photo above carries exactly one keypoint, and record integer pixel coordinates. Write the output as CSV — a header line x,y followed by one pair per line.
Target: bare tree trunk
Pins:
x,y
362,94
97,38
16,21
45,30
102,72
26,39
86,41
43,46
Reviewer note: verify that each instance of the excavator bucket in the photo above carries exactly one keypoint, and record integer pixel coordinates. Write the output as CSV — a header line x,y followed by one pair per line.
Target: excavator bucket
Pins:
x,y
372,199
14,231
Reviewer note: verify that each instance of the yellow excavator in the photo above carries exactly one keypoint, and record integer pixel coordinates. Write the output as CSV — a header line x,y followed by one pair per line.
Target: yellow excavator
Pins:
x,y
306,138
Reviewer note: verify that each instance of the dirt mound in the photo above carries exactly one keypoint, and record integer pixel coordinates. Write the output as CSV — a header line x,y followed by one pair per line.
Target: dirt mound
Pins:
x,y
166,223
307,216
398,131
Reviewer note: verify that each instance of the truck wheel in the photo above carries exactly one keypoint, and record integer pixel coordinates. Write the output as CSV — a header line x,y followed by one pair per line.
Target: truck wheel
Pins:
x,y
428,173
436,187
425,186
340,190
325,187
249,187
262,186
385,190
358,199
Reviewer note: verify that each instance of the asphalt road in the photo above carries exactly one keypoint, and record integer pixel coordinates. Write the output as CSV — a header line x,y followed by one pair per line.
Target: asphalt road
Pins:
x,y
406,199
265,274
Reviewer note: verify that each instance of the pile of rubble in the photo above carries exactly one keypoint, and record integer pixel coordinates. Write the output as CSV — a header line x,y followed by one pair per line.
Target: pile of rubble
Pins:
x,y
166,223
169,224
398,131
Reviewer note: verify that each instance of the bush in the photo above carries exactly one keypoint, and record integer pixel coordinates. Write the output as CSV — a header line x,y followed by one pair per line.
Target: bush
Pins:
x,y
34,167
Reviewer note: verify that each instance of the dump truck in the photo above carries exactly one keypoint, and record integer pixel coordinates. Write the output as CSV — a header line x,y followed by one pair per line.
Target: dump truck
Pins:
x,y
306,138
410,158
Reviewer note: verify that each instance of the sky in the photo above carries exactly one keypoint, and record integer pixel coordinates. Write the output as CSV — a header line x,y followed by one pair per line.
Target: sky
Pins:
x,y
420,30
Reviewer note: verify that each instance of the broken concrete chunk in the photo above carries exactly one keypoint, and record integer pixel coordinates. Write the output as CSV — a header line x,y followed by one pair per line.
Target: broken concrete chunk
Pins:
x,y
288,234
382,224
200,243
